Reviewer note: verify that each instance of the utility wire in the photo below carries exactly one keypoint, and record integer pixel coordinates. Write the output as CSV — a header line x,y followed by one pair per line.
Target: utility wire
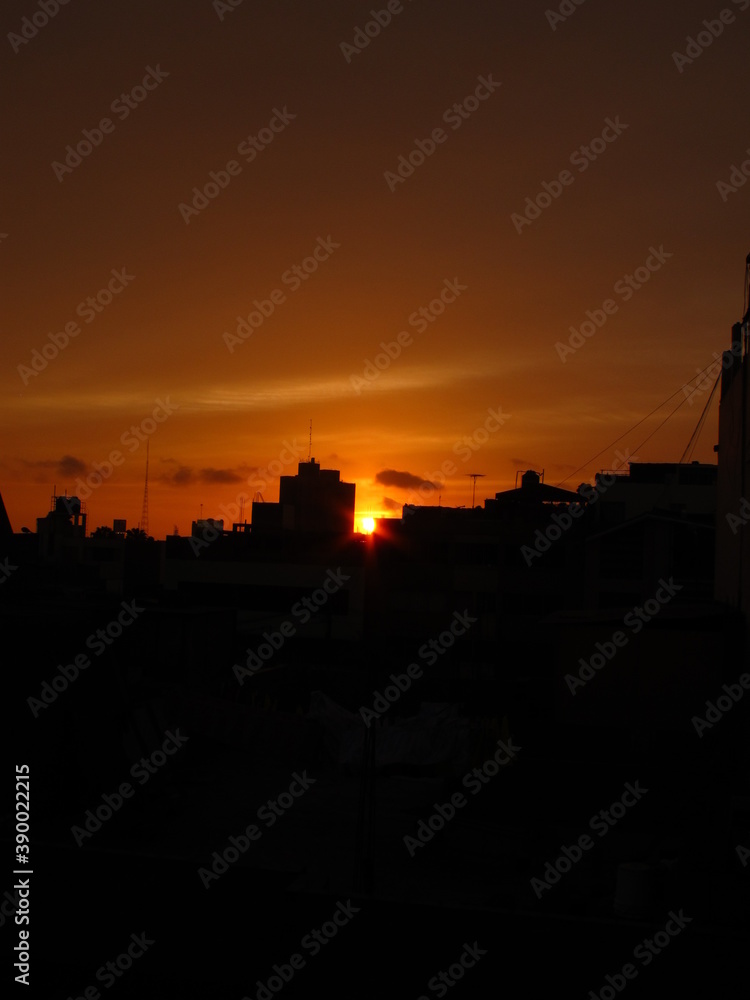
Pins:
x,y
607,447
687,453
670,414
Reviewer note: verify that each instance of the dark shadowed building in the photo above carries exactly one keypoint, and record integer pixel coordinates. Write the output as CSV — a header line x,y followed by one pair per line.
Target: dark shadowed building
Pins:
x,y
656,520
314,501
6,531
733,501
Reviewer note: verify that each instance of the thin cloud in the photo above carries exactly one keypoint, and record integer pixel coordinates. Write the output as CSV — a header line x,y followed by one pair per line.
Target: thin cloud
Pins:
x,y
186,475
219,476
404,480
65,468
180,475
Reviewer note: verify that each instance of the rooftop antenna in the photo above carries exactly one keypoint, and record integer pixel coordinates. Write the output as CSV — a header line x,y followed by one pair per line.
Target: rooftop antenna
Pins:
x,y
474,476
309,447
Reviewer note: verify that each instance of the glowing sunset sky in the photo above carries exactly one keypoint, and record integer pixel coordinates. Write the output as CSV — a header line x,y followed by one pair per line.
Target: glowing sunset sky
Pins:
x,y
387,246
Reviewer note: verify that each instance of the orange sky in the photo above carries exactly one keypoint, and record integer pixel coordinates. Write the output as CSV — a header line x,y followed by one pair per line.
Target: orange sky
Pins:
x,y
213,79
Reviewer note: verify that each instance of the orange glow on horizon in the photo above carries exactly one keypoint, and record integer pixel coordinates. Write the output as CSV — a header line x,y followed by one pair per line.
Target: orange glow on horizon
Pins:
x,y
426,330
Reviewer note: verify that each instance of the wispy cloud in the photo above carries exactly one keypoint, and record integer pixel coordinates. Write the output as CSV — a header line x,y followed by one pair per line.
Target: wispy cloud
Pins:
x,y
178,474
404,480
66,468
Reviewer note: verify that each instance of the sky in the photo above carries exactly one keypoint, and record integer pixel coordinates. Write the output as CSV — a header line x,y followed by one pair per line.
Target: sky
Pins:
x,y
215,215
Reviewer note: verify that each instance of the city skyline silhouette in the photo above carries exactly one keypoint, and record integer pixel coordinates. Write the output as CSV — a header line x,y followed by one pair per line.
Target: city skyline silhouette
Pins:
x,y
374,504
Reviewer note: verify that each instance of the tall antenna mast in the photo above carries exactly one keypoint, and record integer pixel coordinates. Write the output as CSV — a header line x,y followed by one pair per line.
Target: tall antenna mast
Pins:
x,y
474,476
309,447
144,510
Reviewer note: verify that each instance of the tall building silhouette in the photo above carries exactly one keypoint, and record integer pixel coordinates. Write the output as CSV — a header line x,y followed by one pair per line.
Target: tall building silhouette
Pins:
x,y
732,535
313,501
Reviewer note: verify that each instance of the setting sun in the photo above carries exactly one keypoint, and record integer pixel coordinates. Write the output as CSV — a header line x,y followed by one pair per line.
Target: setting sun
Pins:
x,y
368,525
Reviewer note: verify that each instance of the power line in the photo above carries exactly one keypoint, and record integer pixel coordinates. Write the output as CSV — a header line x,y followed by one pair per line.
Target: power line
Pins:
x,y
670,414
687,453
607,447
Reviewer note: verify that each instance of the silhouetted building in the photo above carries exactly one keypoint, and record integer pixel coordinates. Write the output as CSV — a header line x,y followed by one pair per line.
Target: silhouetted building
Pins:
x,y
532,492
6,531
655,521
63,531
271,518
670,488
315,501
207,526
487,562
733,506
